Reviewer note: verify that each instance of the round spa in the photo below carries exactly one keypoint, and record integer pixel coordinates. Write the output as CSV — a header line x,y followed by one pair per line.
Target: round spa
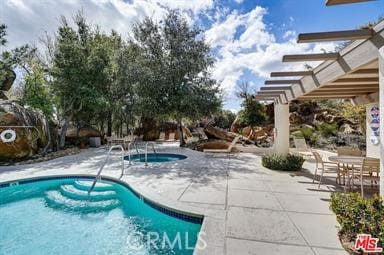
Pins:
x,y
156,157
56,215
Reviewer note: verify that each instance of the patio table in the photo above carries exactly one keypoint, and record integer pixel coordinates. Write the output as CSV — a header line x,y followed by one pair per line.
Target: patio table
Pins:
x,y
348,164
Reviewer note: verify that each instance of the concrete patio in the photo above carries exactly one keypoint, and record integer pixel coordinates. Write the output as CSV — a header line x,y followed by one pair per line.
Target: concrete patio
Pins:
x,y
249,209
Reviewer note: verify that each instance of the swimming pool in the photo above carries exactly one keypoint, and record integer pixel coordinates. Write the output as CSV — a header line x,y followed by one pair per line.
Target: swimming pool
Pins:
x,y
56,216
156,157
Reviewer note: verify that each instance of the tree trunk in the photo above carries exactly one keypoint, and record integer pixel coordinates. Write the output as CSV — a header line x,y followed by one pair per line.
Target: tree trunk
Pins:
x,y
121,128
109,124
182,141
63,133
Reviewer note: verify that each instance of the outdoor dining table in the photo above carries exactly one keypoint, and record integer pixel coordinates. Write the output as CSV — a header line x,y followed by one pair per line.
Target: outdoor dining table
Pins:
x,y
348,163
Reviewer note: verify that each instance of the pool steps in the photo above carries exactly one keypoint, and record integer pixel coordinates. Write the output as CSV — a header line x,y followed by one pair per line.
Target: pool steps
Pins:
x,y
74,197
71,191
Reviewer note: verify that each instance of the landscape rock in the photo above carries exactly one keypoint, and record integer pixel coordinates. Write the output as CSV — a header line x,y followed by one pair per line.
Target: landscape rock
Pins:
x,y
346,129
295,118
39,137
87,131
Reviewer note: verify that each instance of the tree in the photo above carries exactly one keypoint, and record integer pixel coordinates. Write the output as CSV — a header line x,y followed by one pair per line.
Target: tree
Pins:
x,y
35,91
174,64
252,113
10,59
79,70
224,119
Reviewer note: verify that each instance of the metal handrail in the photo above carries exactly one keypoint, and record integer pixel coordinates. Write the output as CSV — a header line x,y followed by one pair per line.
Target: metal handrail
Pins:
x,y
97,177
146,151
129,151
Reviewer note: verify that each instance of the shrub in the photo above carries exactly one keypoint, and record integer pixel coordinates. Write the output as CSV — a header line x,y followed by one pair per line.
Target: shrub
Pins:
x,y
224,119
307,133
327,129
358,215
284,163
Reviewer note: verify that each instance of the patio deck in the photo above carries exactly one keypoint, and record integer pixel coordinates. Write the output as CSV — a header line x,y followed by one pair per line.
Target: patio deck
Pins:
x,y
249,209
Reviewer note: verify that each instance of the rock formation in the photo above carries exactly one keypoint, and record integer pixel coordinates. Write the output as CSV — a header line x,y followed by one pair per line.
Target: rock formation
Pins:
x,y
6,83
34,133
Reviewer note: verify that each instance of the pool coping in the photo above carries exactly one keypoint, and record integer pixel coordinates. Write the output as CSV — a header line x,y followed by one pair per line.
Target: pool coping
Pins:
x,y
186,216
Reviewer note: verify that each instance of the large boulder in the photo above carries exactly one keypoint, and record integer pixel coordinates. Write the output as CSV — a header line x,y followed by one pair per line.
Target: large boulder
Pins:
x,y
77,136
87,131
6,83
34,133
213,145
219,133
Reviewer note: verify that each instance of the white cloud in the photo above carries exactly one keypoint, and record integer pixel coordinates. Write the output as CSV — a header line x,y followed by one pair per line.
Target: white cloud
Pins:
x,y
239,1
27,20
254,49
289,34
242,42
195,6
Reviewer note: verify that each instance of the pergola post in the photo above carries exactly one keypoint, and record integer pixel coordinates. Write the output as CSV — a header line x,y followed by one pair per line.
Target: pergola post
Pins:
x,y
381,100
281,135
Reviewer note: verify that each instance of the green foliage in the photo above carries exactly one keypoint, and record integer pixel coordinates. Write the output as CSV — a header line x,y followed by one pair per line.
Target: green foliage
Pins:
x,y
173,80
224,119
36,90
307,133
11,59
252,114
3,34
283,163
327,130
357,215
90,77
355,113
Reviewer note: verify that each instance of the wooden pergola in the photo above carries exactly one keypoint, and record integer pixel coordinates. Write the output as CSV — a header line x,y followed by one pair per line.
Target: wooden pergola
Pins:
x,y
351,73
356,73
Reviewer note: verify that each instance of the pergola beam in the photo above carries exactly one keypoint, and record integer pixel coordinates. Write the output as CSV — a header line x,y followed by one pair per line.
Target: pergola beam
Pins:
x,y
279,82
310,57
275,88
333,93
347,88
376,85
269,93
335,36
336,2
357,80
367,71
295,73
302,98
265,98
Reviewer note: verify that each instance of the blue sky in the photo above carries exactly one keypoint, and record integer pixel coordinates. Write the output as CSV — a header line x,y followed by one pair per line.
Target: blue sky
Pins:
x,y
248,37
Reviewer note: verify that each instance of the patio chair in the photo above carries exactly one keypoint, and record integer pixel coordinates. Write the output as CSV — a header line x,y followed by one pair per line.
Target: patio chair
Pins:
x,y
228,150
370,169
326,166
349,151
161,137
301,147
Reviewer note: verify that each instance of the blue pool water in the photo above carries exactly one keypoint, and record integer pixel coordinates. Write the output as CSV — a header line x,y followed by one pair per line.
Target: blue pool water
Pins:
x,y
156,157
58,217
